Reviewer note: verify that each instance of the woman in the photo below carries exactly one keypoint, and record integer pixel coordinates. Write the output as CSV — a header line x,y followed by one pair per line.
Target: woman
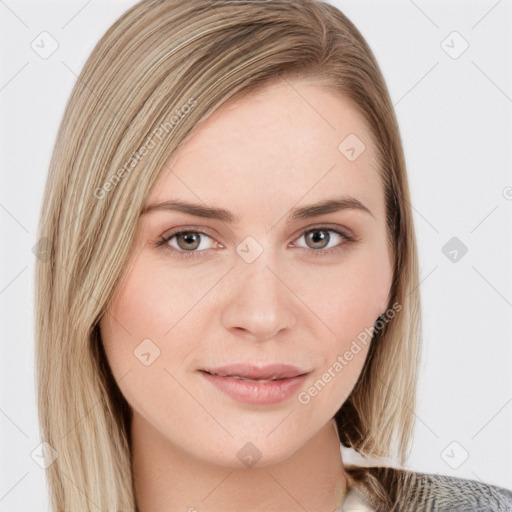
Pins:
x,y
232,290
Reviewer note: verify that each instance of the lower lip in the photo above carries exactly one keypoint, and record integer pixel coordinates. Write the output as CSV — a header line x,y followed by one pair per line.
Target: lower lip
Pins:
x,y
256,392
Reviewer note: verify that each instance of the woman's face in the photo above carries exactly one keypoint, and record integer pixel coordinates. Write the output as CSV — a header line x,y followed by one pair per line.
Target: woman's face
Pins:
x,y
273,291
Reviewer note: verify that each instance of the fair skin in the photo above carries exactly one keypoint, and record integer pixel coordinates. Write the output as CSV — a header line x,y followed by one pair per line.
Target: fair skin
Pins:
x,y
295,303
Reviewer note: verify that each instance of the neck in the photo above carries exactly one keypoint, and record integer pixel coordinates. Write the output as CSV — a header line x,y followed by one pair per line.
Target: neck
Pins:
x,y
166,478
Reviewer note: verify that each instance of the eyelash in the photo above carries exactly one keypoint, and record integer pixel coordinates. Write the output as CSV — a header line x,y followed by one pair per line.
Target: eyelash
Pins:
x,y
192,254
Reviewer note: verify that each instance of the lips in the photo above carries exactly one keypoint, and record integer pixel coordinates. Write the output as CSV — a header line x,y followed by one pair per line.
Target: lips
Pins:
x,y
251,372
256,385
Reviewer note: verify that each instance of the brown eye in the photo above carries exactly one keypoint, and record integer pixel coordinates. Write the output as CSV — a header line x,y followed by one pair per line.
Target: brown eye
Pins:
x,y
188,240
319,239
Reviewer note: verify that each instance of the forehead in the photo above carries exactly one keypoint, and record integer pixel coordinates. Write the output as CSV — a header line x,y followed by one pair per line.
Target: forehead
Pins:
x,y
294,142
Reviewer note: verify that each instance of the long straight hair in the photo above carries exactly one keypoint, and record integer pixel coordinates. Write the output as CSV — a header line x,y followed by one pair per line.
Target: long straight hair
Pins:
x,y
160,70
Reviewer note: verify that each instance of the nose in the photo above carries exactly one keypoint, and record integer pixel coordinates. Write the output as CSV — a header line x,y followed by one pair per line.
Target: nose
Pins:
x,y
258,302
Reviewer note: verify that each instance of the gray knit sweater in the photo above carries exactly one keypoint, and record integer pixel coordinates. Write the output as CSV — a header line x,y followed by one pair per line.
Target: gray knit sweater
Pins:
x,y
425,492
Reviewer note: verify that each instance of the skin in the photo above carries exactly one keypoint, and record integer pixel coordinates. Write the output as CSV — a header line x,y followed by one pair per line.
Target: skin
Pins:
x,y
258,157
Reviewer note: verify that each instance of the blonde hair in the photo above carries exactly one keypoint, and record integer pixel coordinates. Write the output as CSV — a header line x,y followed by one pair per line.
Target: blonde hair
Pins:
x,y
167,66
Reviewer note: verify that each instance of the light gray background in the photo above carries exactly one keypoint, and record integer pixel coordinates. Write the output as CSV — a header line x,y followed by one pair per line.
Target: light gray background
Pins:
x,y
456,125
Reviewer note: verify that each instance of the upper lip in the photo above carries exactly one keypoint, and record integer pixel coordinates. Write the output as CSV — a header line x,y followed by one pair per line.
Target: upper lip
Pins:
x,y
250,371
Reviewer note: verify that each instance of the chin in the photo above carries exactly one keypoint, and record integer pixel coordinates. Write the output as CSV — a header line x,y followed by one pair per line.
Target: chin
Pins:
x,y
249,448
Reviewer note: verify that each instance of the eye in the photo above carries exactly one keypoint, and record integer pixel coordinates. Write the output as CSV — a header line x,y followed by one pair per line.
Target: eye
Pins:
x,y
319,238
186,242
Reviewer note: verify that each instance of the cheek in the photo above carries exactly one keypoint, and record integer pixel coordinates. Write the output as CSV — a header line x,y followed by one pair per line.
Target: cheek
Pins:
x,y
133,332
354,296
141,311
349,297
149,303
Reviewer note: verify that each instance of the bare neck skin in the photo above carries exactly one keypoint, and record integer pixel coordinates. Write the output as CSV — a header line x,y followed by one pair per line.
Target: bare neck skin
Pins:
x,y
166,478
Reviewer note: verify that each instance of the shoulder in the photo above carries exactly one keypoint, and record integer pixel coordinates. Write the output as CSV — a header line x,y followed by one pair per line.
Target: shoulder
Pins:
x,y
416,491
445,492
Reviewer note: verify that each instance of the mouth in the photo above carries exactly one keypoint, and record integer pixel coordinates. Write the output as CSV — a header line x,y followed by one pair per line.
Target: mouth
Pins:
x,y
260,373
251,384
247,378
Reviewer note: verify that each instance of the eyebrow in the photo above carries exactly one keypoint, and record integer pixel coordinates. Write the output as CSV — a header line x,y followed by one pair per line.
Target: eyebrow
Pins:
x,y
330,205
